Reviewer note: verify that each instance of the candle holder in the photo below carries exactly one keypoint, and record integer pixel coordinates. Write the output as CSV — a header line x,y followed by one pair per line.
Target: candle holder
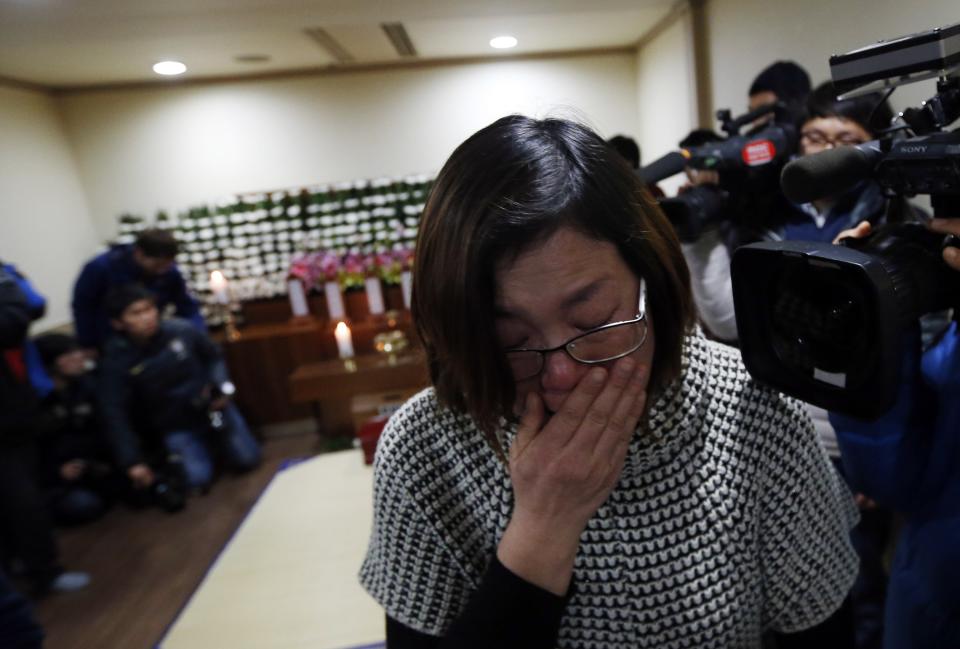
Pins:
x,y
230,323
393,318
350,365
390,343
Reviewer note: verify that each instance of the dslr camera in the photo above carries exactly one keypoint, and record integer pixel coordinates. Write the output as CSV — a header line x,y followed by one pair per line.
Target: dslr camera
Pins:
x,y
825,323
748,165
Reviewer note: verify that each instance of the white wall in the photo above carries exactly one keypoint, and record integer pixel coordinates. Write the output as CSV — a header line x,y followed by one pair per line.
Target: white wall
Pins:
x,y
747,35
45,227
170,148
666,94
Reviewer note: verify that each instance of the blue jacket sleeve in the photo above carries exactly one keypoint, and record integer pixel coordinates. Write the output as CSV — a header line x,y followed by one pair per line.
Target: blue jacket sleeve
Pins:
x,y
36,307
36,303
186,307
87,303
891,460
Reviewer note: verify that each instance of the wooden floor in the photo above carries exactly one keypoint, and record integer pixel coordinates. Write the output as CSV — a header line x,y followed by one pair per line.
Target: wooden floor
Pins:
x,y
145,564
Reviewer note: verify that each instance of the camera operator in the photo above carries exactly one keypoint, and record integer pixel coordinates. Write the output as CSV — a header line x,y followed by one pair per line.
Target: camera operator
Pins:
x,y
167,380
709,256
783,81
909,460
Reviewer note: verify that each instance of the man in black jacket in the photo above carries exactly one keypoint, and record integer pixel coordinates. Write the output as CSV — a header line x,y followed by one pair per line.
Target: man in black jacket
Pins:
x,y
28,530
164,389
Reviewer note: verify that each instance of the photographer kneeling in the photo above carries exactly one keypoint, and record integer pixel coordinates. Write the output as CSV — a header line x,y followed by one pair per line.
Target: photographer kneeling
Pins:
x,y
909,460
168,381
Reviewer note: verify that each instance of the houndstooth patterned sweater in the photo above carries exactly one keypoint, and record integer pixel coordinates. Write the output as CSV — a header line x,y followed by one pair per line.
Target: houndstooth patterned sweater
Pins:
x,y
727,520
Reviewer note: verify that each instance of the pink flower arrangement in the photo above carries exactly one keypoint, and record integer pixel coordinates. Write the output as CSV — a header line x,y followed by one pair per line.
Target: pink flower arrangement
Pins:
x,y
329,266
304,269
393,262
351,269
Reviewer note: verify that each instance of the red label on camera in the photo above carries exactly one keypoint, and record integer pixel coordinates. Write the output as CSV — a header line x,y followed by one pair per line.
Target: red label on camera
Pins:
x,y
759,152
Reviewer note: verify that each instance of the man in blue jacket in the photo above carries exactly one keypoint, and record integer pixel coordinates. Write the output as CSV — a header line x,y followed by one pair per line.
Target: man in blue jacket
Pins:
x,y
909,460
164,384
148,262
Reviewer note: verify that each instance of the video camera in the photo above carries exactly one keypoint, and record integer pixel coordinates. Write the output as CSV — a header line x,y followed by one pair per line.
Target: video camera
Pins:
x,y
748,165
823,322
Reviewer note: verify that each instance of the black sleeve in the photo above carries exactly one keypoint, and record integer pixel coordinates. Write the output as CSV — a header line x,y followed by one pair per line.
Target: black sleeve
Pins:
x,y
836,631
505,612
113,400
210,355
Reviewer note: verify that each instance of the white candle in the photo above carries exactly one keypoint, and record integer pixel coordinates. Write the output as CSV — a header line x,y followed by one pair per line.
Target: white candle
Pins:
x,y
298,299
344,341
374,294
218,284
334,300
406,285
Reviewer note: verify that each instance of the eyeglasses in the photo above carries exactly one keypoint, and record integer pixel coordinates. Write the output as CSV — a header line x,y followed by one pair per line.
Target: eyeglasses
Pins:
x,y
821,139
599,345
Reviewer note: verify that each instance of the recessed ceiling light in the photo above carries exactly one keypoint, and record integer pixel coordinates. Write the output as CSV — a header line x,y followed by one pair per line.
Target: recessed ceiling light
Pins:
x,y
503,42
169,68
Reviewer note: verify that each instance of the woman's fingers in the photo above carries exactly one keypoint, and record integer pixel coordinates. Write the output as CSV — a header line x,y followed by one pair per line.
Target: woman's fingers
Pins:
x,y
624,418
566,421
530,423
598,415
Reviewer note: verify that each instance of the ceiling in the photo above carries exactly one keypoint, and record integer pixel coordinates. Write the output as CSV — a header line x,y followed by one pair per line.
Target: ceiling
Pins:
x,y
80,43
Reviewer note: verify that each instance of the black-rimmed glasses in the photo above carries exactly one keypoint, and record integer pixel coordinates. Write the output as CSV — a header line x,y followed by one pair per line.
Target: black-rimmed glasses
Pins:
x,y
600,345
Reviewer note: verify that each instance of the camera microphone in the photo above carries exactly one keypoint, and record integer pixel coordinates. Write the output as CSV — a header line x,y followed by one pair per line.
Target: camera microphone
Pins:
x,y
829,172
663,167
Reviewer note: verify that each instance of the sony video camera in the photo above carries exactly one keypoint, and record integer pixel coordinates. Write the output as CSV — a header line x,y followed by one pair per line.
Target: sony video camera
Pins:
x,y
748,165
824,322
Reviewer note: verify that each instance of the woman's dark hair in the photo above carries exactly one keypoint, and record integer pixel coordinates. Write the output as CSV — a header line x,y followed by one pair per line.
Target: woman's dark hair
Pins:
x,y
511,186
157,243
872,112
121,297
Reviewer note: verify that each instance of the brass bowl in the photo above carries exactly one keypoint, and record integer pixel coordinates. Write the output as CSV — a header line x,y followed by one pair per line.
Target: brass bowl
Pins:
x,y
390,342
